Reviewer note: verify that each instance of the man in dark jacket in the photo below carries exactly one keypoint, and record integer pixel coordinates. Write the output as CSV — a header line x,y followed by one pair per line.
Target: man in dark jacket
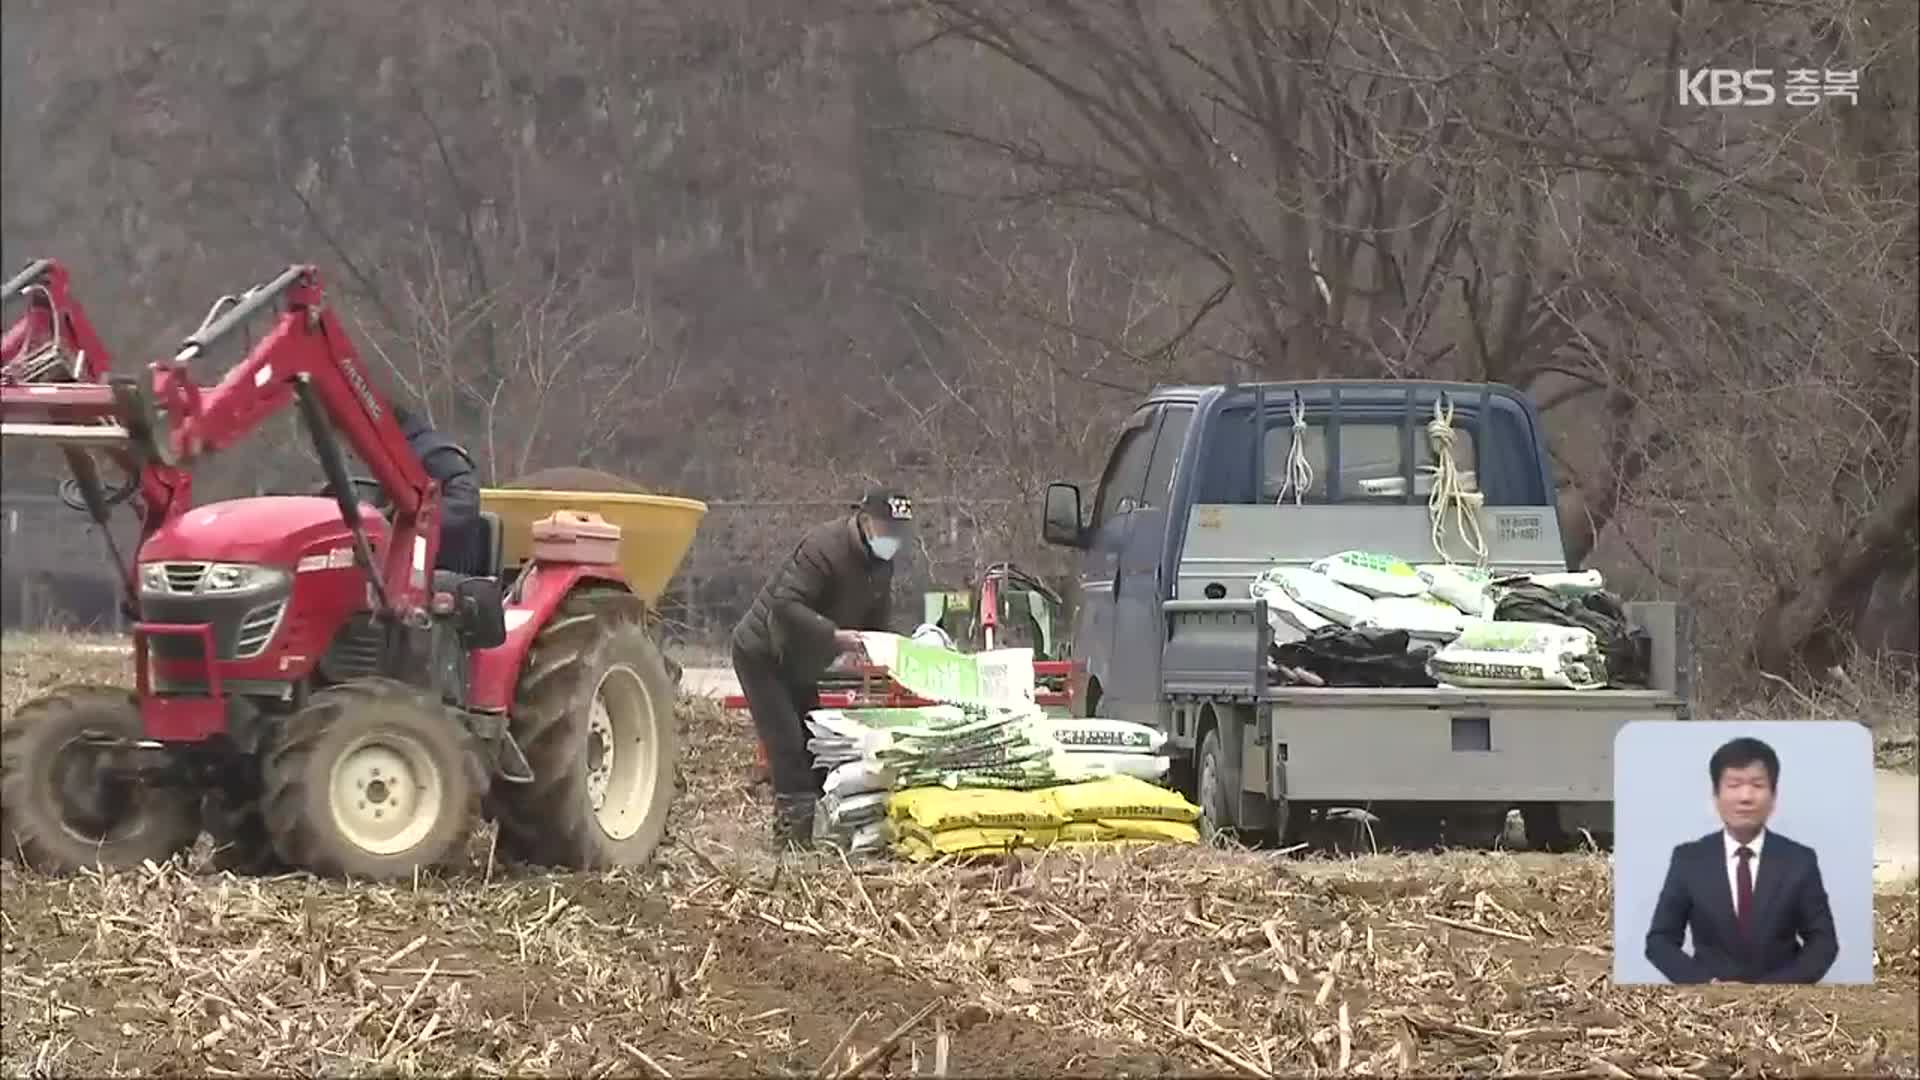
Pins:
x,y
838,582
1753,899
462,533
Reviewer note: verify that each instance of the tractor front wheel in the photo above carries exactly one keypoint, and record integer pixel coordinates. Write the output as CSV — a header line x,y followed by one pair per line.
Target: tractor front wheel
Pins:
x,y
60,812
594,715
373,779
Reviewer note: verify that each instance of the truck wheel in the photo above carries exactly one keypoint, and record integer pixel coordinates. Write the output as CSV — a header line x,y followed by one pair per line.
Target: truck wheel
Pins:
x,y
1210,791
1477,827
1563,827
594,715
373,779
241,843
58,814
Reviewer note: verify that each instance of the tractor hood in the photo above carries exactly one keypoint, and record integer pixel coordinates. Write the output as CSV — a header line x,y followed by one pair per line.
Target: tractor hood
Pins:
x,y
271,530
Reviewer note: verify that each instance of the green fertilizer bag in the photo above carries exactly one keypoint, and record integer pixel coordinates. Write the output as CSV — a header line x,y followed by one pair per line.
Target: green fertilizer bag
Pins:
x,y
1374,575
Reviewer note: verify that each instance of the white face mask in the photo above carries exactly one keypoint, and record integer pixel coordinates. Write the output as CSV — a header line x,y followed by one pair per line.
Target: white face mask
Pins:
x,y
884,547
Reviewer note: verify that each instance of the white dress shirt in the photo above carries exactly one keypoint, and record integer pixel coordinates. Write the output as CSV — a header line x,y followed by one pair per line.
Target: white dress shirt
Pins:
x,y
1733,865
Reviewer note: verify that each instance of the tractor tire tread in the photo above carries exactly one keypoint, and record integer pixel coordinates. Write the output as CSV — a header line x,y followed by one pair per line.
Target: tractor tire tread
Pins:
x,y
296,839
45,845
547,822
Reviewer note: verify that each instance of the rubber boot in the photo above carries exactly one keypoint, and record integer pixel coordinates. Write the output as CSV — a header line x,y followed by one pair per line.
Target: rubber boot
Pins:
x,y
793,817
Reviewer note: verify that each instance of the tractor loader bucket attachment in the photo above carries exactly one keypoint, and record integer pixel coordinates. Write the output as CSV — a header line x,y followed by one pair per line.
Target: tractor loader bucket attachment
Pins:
x,y
113,417
655,530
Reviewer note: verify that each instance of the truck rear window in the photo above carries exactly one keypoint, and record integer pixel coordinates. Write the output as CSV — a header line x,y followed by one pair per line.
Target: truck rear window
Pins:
x,y
1373,459
1370,454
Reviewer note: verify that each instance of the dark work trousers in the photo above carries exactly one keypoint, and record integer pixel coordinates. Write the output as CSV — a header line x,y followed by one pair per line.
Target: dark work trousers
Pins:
x,y
780,709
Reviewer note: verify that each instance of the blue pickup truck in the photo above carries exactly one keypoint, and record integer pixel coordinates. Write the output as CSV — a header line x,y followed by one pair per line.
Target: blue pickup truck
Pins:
x,y
1193,505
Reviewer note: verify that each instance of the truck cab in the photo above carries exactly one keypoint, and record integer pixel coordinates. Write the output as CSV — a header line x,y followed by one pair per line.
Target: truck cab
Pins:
x,y
1204,490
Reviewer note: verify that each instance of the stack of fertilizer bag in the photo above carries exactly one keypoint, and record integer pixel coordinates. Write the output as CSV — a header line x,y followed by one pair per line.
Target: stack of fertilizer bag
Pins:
x,y
979,771
1360,619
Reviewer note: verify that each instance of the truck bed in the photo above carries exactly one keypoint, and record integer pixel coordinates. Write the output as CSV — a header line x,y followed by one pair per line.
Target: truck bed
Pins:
x,y
1385,744
1219,648
1451,696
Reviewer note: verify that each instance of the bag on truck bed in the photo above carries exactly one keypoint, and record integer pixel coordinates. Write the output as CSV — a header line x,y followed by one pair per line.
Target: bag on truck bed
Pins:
x,y
1521,656
1288,617
1365,657
1373,575
1320,595
1627,648
1465,587
1420,616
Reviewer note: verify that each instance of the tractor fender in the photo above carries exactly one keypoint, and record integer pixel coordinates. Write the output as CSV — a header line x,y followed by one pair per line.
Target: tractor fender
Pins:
x,y
496,671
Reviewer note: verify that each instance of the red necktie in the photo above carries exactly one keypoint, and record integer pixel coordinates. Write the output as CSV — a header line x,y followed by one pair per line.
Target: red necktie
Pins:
x,y
1743,912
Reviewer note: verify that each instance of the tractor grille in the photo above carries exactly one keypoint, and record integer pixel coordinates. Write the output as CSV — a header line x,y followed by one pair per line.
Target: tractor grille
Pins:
x,y
356,651
183,577
256,629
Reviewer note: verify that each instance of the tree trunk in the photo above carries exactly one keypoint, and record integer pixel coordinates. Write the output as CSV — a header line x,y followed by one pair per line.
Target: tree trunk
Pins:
x,y
1810,628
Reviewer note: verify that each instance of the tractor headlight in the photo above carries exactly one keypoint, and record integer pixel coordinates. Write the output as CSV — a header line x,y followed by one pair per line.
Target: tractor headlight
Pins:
x,y
238,577
192,578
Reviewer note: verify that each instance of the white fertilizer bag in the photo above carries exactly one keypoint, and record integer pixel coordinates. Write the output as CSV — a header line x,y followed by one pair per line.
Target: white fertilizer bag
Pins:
x,y
1073,768
858,778
1420,616
1570,584
1096,736
1284,613
1006,677
1521,656
929,634
1322,595
1465,587
854,811
882,648
1373,575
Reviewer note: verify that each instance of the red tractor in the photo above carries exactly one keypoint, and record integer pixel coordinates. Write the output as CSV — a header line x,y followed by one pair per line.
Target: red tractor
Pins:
x,y
308,687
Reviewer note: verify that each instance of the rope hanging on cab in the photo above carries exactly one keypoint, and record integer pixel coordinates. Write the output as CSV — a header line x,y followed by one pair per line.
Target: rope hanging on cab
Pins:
x,y
1298,477
1451,491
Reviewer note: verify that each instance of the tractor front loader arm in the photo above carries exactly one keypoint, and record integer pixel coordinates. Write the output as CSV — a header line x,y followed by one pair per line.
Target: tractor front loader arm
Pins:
x,y
307,357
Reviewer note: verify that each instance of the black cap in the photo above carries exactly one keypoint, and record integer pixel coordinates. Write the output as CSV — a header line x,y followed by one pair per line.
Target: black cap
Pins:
x,y
882,505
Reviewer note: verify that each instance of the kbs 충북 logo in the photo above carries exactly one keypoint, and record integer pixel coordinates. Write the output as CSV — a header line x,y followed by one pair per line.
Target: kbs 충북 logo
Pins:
x,y
1802,88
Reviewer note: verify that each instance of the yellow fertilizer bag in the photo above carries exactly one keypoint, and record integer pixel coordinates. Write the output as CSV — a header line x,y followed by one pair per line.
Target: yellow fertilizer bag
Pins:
x,y
920,846
1105,845
1109,830
1120,797
937,809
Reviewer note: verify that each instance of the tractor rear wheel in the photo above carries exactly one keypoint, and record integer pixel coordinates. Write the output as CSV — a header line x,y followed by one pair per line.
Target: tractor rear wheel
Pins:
x,y
373,779
594,715
58,813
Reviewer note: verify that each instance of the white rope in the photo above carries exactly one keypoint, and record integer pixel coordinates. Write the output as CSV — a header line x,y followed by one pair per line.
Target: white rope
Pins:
x,y
1451,491
1299,475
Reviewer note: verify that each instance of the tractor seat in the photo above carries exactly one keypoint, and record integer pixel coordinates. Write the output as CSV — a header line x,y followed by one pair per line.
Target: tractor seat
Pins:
x,y
496,541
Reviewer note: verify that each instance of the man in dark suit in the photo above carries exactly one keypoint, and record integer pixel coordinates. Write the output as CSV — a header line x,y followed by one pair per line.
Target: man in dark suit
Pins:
x,y
1753,898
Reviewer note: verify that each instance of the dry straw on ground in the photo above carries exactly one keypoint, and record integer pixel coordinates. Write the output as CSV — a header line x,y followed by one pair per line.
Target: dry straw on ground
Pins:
x,y
720,960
